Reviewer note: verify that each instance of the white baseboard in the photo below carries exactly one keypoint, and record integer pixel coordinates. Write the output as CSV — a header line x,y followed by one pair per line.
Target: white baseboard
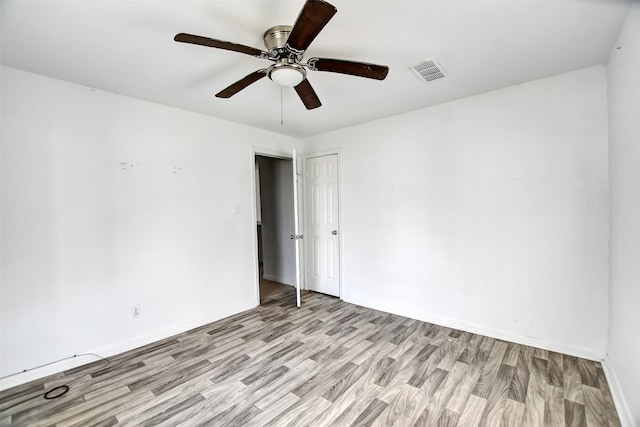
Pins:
x,y
113,349
275,279
626,420
36,373
577,351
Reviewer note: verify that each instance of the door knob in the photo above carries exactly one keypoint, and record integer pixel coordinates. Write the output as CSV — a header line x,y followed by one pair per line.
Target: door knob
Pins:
x,y
334,232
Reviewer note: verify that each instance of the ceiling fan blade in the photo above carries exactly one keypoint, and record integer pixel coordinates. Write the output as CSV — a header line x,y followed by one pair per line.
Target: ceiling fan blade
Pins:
x,y
220,44
315,14
241,84
360,69
307,95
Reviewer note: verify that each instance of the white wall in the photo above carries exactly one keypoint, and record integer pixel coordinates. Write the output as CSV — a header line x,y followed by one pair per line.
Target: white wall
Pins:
x,y
108,202
276,192
623,80
488,213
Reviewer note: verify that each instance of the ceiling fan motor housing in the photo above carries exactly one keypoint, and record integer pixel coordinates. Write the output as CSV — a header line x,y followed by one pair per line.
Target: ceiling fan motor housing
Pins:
x,y
275,39
286,71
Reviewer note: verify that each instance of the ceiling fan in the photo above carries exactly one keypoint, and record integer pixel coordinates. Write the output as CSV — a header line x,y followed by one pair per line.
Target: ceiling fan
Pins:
x,y
286,46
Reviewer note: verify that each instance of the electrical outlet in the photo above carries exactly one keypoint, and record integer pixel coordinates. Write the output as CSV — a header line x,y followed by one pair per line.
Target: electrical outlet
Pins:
x,y
136,311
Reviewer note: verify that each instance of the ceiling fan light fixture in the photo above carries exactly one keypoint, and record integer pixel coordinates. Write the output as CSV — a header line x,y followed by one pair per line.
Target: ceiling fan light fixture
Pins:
x,y
287,75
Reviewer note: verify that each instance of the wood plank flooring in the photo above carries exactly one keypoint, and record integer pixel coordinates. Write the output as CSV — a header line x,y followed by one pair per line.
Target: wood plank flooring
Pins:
x,y
270,289
329,363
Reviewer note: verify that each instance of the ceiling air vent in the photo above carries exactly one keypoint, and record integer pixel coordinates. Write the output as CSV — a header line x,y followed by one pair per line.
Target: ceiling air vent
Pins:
x,y
428,70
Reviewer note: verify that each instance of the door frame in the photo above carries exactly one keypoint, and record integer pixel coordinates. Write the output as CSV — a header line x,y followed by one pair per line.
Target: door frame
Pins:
x,y
305,157
275,154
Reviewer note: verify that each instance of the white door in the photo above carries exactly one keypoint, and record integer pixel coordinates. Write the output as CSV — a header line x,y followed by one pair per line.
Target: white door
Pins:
x,y
322,233
296,228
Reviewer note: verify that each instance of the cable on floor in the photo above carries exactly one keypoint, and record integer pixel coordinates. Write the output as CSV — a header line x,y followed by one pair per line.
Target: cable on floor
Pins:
x,y
62,389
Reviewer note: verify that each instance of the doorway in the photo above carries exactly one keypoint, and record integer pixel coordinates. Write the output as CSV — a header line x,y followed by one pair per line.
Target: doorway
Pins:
x,y
275,224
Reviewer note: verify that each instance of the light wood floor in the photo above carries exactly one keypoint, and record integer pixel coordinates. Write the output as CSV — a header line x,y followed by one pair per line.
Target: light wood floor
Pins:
x,y
327,364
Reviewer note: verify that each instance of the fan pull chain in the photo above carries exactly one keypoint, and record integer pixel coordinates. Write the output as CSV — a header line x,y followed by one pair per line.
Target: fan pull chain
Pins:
x,y
281,109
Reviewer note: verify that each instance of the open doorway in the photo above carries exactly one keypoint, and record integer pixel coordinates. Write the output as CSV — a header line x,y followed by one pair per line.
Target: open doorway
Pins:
x,y
275,225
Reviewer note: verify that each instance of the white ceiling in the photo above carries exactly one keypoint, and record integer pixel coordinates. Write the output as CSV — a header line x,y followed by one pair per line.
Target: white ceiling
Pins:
x,y
127,47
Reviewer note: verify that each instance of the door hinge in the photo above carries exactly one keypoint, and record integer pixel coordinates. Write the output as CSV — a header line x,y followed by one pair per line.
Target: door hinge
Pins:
x,y
297,236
